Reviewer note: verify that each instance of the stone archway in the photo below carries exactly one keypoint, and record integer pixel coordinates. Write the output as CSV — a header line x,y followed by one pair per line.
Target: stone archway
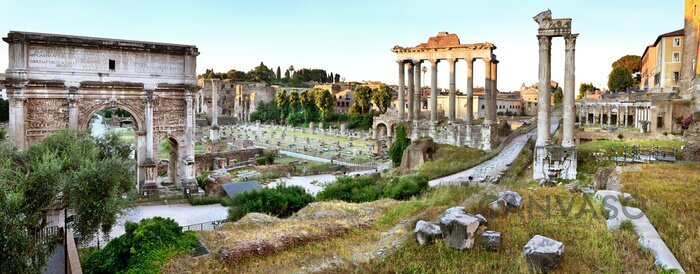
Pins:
x,y
58,81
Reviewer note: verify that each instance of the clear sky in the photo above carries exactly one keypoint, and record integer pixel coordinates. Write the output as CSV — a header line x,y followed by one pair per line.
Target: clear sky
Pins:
x,y
354,37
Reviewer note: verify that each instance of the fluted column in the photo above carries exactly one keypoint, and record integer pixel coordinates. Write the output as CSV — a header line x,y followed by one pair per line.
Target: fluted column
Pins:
x,y
402,82
433,89
569,91
494,91
149,125
453,91
418,95
487,93
188,158
411,97
543,93
470,91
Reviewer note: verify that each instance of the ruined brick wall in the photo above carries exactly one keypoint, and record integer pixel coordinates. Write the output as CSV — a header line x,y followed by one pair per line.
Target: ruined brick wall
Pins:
x,y
205,161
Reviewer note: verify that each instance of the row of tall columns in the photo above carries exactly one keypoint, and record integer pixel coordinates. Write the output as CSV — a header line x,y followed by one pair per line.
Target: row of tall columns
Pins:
x,y
413,90
569,91
543,91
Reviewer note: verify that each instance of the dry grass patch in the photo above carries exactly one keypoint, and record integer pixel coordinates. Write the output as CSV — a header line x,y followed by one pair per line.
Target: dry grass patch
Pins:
x,y
449,160
589,246
669,196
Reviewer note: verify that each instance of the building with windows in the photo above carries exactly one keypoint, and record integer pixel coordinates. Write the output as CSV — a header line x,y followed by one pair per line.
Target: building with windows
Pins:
x,y
662,62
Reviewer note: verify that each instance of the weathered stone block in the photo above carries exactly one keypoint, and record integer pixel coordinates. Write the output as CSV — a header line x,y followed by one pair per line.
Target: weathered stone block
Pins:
x,y
511,197
491,240
419,152
458,229
543,254
426,232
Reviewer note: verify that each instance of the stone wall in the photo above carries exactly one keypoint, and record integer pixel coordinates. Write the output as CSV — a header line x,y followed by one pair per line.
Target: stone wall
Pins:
x,y
476,136
206,161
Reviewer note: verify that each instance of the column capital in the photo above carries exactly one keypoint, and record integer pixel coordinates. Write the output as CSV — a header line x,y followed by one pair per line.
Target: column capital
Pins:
x,y
570,41
434,62
451,60
410,64
17,101
545,42
417,62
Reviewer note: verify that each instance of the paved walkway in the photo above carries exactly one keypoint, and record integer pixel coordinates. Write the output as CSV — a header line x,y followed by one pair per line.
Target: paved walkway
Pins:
x,y
492,169
315,183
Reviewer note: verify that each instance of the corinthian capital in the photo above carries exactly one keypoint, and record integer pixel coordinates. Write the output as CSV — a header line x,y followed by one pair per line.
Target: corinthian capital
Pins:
x,y
570,41
545,42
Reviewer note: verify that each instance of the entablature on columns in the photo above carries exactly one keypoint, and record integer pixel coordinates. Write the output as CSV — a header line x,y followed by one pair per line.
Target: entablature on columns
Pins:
x,y
444,46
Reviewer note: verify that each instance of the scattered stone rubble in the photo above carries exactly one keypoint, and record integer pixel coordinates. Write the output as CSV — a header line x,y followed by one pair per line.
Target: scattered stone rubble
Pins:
x,y
543,254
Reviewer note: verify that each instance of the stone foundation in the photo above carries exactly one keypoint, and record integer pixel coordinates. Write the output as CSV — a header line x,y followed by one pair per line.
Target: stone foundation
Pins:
x,y
553,161
207,161
479,136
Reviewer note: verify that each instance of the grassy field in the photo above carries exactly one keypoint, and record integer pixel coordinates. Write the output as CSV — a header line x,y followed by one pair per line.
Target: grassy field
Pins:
x,y
588,164
451,159
668,195
589,246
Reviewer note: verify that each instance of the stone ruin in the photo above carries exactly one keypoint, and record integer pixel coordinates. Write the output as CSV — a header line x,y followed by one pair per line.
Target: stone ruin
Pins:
x,y
419,152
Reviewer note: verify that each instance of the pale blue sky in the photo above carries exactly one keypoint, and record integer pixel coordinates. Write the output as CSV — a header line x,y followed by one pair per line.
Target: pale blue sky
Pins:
x,y
354,38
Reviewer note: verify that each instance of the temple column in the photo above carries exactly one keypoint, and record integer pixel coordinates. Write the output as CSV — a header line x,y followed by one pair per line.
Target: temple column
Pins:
x,y
470,91
543,122
453,91
433,89
494,91
569,91
214,131
140,157
411,98
188,158
418,95
402,82
72,108
487,92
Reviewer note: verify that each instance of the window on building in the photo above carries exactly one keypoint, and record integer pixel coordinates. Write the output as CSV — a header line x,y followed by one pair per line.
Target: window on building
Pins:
x,y
676,76
676,57
677,42
112,64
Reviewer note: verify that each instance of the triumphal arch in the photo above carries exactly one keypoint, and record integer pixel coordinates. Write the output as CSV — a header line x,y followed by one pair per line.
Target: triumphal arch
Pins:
x,y
59,81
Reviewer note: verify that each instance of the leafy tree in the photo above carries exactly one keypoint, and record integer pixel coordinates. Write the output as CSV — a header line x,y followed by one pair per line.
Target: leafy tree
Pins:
x,y
294,102
261,73
237,75
311,75
324,103
4,110
286,74
144,245
558,96
266,112
332,78
584,88
363,98
308,100
279,73
77,167
620,79
382,98
631,62
282,101
337,78
400,144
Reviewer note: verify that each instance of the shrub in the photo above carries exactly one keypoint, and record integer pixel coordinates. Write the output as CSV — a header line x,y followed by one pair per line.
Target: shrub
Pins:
x,y
399,145
360,121
206,200
353,189
620,136
145,244
295,119
407,186
281,201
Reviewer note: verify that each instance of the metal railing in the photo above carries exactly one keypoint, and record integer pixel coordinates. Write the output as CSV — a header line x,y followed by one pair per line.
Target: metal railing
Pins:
x,y
211,225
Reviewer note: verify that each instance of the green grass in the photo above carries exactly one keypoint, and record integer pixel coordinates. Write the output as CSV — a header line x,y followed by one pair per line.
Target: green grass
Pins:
x,y
448,160
520,171
668,195
588,164
590,247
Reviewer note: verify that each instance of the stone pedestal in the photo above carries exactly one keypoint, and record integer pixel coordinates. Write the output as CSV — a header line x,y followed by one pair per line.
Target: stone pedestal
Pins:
x,y
553,161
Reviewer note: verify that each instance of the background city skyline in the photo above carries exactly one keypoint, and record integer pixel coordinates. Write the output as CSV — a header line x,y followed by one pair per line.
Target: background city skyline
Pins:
x,y
354,38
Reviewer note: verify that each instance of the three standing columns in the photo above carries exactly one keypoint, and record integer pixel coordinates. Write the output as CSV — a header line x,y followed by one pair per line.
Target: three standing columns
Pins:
x,y
543,92
569,86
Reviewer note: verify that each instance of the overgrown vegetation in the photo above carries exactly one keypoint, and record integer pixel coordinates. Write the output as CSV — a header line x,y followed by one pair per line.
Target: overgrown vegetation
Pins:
x,y
399,145
281,201
371,188
452,159
587,162
85,172
145,246
667,193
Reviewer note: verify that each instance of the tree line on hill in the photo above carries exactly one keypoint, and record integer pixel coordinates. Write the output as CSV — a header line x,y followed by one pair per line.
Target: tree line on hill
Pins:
x,y
265,74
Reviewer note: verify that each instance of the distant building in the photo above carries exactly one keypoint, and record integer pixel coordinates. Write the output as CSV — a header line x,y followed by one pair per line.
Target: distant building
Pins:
x,y
343,101
236,99
530,97
661,63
